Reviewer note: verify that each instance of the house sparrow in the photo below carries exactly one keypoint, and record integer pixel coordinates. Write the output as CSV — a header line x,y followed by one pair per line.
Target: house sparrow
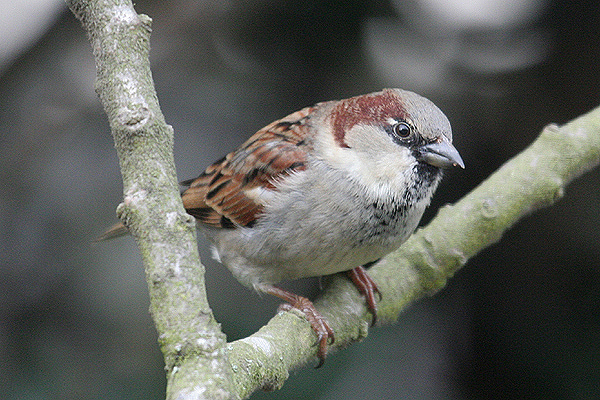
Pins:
x,y
330,188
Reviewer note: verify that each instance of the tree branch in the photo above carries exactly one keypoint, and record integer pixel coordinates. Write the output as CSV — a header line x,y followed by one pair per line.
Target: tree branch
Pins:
x,y
199,364
152,208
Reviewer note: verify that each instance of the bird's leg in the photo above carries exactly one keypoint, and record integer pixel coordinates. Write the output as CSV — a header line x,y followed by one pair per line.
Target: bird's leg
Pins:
x,y
317,321
367,287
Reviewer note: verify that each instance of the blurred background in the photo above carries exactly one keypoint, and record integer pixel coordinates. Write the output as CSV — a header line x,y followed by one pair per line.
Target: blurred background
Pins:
x,y
521,320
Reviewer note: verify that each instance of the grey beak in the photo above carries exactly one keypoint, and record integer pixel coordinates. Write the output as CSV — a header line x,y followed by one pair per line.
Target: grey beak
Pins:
x,y
441,154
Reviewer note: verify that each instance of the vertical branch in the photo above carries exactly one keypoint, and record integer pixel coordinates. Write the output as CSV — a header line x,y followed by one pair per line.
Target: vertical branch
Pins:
x,y
191,340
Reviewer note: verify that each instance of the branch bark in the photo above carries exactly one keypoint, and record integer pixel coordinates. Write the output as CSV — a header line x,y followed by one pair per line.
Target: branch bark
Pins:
x,y
152,208
199,363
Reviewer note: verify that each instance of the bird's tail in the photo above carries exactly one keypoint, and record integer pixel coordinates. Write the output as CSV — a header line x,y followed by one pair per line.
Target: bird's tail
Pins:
x,y
114,231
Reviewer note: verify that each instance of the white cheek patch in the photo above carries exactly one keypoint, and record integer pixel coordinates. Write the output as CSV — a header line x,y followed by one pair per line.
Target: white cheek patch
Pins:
x,y
374,160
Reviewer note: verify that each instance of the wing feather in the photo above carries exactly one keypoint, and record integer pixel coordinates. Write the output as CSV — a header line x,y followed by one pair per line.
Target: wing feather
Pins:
x,y
225,194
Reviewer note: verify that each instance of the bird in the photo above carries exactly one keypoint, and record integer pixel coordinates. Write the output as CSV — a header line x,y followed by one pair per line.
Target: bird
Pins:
x,y
331,188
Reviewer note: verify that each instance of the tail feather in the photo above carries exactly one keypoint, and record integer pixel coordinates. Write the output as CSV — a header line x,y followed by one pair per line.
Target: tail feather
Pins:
x,y
114,231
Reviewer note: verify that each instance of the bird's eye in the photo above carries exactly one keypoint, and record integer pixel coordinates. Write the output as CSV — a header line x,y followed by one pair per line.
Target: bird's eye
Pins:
x,y
402,129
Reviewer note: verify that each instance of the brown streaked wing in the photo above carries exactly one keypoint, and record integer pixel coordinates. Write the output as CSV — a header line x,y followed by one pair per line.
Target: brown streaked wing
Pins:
x,y
219,197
